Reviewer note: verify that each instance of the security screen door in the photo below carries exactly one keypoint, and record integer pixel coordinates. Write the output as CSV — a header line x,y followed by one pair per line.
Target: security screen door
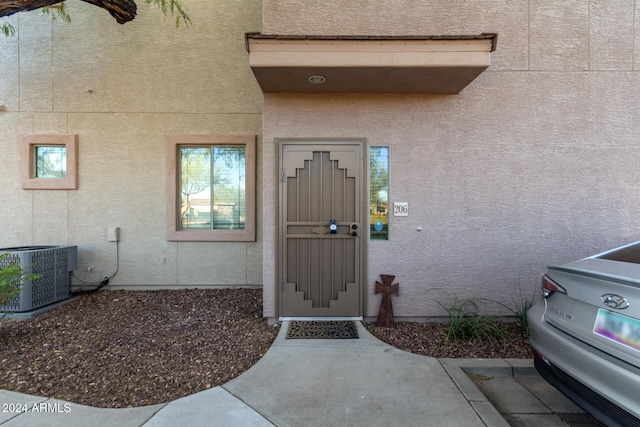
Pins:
x,y
321,212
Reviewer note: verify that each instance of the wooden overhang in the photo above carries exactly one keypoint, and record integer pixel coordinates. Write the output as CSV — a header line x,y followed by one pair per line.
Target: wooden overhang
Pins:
x,y
368,64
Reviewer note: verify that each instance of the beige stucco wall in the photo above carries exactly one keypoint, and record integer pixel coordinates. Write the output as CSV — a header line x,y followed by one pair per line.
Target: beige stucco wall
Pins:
x,y
123,89
534,163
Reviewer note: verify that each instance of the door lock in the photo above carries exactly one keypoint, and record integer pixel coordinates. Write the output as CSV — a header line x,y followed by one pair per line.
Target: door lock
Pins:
x,y
333,228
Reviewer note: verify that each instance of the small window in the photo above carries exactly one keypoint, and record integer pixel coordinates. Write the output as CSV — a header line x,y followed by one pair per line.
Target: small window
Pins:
x,y
211,184
379,193
49,162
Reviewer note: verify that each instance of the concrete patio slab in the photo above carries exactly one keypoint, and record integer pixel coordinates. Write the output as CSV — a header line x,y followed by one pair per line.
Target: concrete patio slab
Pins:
x,y
215,406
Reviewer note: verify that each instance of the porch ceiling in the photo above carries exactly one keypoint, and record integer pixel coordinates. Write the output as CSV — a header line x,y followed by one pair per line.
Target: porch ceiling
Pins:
x,y
340,64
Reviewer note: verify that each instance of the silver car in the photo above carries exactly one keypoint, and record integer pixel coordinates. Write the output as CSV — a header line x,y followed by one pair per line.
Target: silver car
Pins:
x,y
585,333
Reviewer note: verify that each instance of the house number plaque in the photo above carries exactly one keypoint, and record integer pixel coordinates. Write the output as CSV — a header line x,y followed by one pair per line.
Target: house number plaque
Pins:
x,y
400,208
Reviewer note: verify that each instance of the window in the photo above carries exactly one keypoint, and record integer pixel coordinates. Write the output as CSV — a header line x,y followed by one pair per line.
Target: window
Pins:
x,y
49,162
211,187
379,193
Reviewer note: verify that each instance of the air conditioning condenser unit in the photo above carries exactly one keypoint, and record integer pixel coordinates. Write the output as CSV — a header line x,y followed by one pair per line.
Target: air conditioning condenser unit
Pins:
x,y
53,264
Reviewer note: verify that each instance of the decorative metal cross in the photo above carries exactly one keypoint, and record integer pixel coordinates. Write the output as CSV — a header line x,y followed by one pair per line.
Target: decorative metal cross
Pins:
x,y
385,315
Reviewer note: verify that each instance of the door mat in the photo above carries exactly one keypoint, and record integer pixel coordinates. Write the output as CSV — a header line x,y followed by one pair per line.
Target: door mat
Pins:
x,y
323,329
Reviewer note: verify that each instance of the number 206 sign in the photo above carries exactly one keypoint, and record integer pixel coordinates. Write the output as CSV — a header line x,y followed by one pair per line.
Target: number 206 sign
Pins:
x,y
400,209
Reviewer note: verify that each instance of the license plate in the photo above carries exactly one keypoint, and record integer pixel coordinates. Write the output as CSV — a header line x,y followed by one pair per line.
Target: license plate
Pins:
x,y
616,327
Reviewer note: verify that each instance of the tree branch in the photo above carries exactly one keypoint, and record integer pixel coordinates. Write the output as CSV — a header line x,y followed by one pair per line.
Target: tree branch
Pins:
x,y
9,7
121,10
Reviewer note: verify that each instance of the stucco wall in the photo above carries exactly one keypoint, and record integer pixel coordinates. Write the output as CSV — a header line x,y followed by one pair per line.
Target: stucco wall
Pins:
x,y
123,89
532,164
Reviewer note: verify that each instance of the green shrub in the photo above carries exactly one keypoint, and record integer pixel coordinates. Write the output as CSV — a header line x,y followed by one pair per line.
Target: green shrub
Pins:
x,y
11,277
466,323
520,308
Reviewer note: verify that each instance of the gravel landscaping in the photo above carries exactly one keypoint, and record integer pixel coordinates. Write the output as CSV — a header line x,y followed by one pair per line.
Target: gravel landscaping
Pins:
x,y
430,339
116,349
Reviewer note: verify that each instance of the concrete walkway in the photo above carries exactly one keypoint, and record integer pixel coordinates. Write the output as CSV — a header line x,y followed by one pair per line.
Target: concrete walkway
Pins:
x,y
304,382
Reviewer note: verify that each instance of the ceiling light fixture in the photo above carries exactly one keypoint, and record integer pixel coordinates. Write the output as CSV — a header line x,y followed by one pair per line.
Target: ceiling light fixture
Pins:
x,y
317,80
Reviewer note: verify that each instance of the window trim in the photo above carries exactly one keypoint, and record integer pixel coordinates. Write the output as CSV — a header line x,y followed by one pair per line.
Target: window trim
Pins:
x,y
174,233
28,144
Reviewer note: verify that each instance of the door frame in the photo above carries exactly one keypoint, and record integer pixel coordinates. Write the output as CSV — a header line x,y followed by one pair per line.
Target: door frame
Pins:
x,y
363,187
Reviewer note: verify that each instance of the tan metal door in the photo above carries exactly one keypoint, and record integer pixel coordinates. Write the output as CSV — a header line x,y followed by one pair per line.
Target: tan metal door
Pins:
x,y
320,268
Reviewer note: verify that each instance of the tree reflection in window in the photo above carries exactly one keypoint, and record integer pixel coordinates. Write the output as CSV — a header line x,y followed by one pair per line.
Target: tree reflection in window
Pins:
x,y
379,193
212,187
51,161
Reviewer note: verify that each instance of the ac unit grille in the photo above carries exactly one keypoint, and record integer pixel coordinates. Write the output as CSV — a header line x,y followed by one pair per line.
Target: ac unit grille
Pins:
x,y
52,263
